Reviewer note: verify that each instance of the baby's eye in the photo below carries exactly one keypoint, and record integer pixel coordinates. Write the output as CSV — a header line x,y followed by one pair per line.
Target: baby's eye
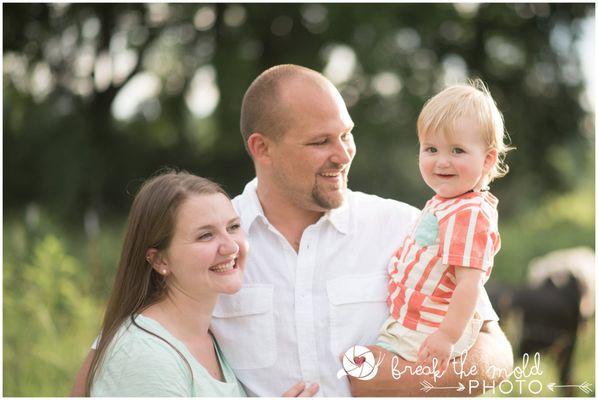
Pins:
x,y
458,150
431,149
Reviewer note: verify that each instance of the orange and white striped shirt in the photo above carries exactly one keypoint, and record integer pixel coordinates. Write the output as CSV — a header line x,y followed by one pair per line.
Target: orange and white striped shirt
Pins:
x,y
461,231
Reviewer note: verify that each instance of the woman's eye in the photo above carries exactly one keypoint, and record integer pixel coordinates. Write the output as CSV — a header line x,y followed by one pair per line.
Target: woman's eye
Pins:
x,y
319,143
234,227
205,236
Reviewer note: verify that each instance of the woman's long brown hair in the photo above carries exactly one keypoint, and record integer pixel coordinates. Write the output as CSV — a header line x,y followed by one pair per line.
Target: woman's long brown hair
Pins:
x,y
151,224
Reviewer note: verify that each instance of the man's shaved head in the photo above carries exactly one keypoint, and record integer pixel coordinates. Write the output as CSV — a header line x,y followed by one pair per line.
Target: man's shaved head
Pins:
x,y
297,129
265,109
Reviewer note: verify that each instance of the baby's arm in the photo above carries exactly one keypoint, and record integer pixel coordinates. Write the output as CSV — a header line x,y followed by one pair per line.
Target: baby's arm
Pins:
x,y
463,302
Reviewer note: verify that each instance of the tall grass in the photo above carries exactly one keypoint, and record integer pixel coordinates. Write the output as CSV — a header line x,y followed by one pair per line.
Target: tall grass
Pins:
x,y
51,307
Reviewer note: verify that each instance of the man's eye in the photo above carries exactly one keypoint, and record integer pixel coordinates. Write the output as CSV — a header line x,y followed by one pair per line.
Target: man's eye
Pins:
x,y
319,142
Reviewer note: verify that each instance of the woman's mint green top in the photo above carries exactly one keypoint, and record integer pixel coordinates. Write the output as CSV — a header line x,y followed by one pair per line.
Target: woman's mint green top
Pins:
x,y
139,364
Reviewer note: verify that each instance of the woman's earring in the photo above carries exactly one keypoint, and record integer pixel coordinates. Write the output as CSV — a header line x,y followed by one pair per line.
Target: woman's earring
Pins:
x,y
164,272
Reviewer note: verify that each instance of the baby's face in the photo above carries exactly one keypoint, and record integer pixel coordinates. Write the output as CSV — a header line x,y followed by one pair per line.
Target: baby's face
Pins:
x,y
455,164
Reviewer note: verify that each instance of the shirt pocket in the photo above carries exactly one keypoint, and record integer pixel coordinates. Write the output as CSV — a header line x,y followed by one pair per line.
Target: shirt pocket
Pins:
x,y
243,324
357,306
426,233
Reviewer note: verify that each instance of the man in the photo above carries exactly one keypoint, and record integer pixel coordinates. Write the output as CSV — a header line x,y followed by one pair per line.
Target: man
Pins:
x,y
315,280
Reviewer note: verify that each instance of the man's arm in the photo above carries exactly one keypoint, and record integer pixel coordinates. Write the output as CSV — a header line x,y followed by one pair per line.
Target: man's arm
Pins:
x,y
491,354
79,386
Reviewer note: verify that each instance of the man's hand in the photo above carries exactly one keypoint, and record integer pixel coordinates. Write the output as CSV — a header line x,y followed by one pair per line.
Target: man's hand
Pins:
x,y
437,345
491,354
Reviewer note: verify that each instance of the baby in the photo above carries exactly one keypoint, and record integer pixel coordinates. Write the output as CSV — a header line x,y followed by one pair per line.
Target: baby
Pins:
x,y
438,272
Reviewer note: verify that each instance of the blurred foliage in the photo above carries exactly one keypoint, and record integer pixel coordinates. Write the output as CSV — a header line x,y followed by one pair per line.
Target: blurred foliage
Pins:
x,y
66,64
555,223
48,314
80,136
584,369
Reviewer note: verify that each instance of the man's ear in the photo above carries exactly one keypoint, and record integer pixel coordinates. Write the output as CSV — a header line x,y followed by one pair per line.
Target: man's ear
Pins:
x,y
259,147
490,160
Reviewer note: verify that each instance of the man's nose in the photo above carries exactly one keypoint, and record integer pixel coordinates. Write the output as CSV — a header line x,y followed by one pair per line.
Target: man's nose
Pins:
x,y
343,152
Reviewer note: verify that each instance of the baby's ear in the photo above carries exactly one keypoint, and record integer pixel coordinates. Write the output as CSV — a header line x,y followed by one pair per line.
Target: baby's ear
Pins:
x,y
491,159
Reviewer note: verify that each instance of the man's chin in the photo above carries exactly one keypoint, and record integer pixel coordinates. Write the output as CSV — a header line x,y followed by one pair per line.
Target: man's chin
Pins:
x,y
331,200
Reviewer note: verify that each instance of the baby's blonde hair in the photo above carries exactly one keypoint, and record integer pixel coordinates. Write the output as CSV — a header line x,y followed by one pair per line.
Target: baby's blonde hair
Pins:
x,y
441,113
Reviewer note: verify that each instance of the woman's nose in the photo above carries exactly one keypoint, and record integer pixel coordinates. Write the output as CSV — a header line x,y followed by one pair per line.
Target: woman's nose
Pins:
x,y
228,246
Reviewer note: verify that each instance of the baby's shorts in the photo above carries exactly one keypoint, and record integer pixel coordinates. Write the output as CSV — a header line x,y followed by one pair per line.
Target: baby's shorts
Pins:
x,y
406,342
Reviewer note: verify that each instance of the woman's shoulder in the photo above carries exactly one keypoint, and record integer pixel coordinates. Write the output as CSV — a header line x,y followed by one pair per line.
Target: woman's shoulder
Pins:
x,y
142,337
137,358
140,348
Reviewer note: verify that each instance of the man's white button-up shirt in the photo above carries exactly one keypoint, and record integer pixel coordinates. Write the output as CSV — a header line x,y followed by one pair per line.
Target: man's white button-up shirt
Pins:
x,y
299,311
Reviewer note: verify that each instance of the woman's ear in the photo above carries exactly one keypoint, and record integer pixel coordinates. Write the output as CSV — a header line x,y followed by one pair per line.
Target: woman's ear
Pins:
x,y
155,258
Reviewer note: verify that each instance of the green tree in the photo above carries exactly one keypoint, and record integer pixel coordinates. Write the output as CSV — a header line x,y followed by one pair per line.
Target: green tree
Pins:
x,y
65,149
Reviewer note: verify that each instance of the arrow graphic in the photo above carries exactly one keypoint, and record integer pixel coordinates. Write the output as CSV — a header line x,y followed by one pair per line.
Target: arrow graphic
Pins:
x,y
427,386
584,387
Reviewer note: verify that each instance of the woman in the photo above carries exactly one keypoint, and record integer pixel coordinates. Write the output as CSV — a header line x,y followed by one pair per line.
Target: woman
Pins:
x,y
183,247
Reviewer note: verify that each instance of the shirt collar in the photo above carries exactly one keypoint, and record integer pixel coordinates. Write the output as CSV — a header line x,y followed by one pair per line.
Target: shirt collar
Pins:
x,y
252,207
338,217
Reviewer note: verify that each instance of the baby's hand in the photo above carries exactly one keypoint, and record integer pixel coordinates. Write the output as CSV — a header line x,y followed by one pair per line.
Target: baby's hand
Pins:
x,y
438,346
